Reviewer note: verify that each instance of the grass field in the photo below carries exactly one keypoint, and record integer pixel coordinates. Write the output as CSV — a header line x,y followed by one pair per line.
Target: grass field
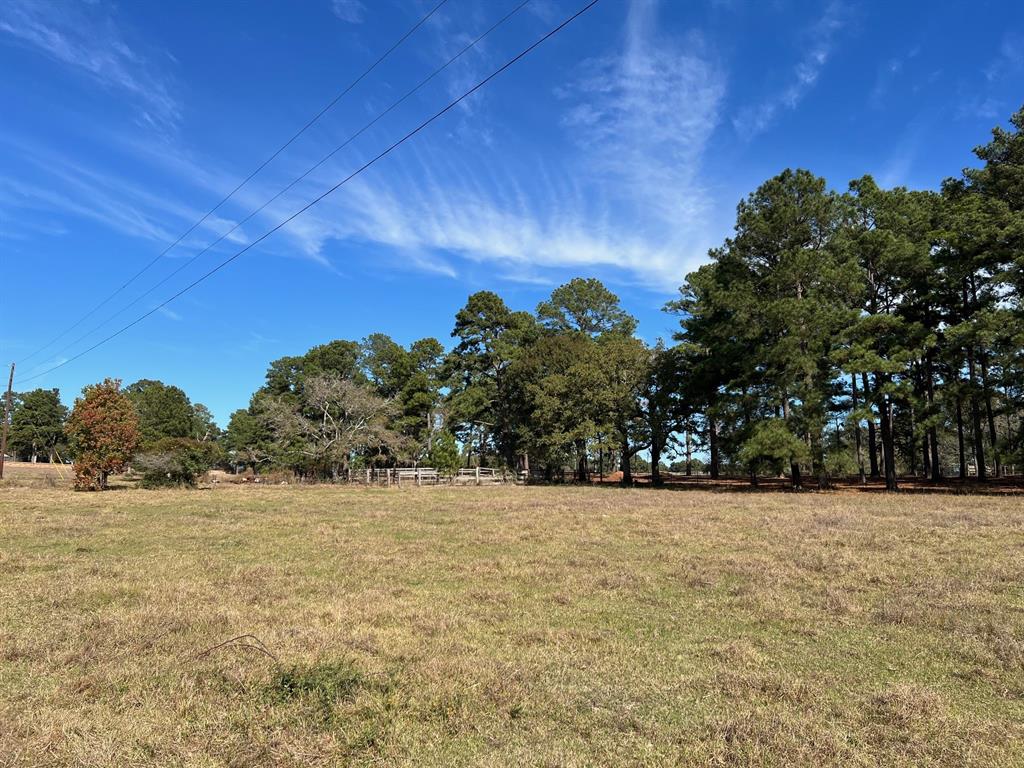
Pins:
x,y
511,626
41,475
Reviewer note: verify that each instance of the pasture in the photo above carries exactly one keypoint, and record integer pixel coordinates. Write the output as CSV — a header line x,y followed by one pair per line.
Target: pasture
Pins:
x,y
286,626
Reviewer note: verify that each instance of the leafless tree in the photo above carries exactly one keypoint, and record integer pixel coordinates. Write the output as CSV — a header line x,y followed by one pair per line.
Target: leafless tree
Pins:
x,y
334,420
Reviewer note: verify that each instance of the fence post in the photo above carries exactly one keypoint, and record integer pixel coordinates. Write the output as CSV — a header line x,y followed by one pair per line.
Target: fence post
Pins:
x,y
417,477
478,475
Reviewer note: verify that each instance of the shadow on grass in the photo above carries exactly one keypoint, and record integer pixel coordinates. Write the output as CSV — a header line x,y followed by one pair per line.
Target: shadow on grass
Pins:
x,y
1006,486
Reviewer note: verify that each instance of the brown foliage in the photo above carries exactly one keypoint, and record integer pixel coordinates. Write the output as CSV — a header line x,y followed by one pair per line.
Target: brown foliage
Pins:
x,y
104,431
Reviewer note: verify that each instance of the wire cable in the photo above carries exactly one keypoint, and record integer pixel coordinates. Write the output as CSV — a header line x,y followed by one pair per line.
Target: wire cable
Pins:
x,y
391,148
310,170
244,181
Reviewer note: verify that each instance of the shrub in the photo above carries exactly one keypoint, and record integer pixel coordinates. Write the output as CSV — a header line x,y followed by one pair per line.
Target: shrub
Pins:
x,y
444,453
175,461
772,445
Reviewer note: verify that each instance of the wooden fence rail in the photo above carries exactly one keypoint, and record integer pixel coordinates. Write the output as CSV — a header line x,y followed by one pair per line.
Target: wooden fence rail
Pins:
x,y
419,476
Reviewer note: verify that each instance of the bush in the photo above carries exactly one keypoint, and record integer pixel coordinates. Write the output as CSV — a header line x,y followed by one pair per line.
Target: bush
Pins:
x,y
772,446
175,461
840,464
444,454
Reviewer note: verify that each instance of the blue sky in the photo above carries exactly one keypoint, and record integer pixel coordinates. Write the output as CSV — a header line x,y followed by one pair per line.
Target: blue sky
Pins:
x,y
618,150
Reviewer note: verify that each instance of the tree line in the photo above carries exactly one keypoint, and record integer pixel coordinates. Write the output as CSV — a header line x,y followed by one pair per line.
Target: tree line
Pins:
x,y
150,425
889,320
866,332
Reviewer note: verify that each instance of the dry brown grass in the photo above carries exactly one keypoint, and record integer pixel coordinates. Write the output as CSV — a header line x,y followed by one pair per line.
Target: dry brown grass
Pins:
x,y
511,626
40,475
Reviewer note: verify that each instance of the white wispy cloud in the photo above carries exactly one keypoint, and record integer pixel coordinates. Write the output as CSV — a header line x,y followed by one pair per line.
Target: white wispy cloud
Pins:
x,y
898,168
112,213
450,30
985,99
630,200
351,11
888,73
1009,59
66,185
819,43
254,342
971,105
46,365
646,119
622,196
87,39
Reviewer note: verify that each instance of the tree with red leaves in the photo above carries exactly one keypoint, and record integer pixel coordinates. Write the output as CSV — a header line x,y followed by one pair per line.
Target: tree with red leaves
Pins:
x,y
104,433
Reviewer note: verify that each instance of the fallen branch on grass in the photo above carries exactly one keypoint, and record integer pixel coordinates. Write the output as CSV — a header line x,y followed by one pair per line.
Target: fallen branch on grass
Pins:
x,y
256,645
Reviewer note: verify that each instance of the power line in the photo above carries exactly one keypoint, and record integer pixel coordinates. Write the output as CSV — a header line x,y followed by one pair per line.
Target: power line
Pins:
x,y
245,181
451,105
312,168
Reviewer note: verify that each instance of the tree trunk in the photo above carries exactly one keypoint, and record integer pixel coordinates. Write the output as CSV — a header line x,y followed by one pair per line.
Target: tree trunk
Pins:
x,y
933,436
979,438
713,448
818,452
986,391
655,461
689,454
582,470
992,437
872,437
624,464
856,430
888,445
1009,429
913,449
872,450
960,437
794,466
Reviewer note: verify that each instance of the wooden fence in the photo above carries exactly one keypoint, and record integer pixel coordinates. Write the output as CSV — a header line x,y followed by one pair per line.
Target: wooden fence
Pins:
x,y
480,476
420,476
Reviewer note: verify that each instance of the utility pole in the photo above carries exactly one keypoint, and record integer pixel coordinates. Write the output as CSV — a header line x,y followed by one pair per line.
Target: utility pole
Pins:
x,y
7,418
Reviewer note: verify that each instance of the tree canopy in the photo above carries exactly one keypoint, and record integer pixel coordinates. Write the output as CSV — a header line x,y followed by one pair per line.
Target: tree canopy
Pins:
x,y
104,433
37,424
852,330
